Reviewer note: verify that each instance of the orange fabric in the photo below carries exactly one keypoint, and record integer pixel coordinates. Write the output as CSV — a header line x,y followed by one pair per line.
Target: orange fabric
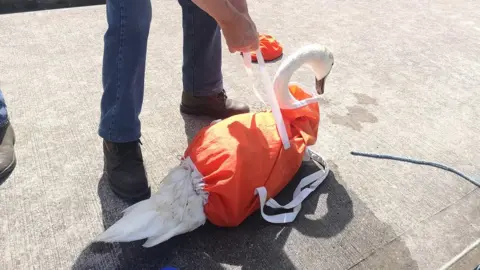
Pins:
x,y
244,152
271,49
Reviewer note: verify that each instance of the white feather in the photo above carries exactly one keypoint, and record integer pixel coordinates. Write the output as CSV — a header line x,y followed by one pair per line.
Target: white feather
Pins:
x,y
175,209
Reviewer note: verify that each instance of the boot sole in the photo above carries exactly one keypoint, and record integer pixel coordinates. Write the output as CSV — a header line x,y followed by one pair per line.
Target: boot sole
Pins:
x,y
211,114
128,197
195,112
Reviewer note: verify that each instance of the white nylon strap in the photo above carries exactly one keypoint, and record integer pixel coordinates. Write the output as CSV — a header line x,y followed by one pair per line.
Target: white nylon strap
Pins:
x,y
280,218
272,98
306,186
247,62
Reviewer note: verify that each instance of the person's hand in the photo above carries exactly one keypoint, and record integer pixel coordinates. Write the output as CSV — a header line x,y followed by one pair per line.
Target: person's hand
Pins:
x,y
240,33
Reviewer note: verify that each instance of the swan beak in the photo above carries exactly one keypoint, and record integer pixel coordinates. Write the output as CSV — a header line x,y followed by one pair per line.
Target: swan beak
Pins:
x,y
320,85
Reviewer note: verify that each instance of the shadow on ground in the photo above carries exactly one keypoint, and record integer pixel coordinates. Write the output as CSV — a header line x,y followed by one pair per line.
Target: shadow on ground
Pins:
x,y
194,124
15,6
255,244
252,245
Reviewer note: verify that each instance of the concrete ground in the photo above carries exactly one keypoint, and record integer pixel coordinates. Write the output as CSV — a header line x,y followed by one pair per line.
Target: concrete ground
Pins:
x,y
405,82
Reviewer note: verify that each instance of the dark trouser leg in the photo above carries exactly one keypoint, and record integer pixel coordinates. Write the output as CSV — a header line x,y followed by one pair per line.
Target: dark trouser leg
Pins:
x,y
202,51
124,60
203,92
125,49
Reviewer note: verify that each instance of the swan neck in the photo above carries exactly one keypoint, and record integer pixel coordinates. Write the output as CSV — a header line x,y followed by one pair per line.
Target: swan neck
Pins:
x,y
315,58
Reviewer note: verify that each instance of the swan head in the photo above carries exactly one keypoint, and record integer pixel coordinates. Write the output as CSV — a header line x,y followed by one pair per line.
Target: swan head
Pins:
x,y
318,58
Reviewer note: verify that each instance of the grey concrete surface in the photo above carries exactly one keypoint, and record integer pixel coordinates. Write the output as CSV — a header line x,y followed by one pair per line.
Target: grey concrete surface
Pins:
x,y
405,82
468,261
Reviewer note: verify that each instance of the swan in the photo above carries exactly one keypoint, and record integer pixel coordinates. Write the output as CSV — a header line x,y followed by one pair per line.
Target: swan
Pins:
x,y
180,204
318,58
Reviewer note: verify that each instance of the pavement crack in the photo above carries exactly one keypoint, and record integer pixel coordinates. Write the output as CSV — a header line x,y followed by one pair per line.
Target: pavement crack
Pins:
x,y
412,227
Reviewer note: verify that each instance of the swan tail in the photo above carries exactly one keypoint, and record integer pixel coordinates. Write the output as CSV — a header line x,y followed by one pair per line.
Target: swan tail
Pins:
x,y
175,209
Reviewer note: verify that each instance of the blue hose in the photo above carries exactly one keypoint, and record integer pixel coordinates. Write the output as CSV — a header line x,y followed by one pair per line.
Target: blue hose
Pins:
x,y
420,162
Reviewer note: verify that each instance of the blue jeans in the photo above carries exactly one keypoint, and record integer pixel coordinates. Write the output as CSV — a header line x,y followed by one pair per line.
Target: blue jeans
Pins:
x,y
125,48
3,110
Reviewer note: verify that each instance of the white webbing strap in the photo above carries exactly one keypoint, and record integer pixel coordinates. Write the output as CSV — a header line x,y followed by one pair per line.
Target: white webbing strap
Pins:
x,y
306,186
247,62
272,98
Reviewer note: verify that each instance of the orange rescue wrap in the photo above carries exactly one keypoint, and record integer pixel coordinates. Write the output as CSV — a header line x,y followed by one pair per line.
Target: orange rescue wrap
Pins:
x,y
270,48
236,166
244,152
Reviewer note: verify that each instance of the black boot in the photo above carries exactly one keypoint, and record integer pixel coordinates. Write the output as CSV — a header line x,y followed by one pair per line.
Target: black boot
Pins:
x,y
8,160
217,106
125,171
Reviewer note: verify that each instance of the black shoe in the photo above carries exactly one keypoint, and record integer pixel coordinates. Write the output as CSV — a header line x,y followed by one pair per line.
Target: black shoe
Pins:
x,y
217,106
8,160
123,167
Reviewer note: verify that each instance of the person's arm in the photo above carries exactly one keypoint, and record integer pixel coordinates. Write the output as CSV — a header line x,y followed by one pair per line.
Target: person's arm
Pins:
x,y
240,5
221,10
232,16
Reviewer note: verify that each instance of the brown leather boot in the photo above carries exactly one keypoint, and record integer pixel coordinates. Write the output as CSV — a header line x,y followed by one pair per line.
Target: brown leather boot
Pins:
x,y
8,160
217,106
